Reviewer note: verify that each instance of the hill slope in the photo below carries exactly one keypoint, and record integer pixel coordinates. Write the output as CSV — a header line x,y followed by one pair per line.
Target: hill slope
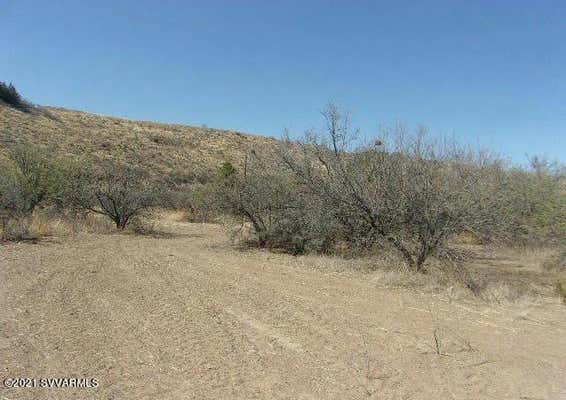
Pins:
x,y
178,151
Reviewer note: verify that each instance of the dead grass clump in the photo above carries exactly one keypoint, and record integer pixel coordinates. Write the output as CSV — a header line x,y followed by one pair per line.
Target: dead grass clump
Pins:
x,y
33,227
534,258
93,223
555,262
459,280
390,271
43,224
561,286
17,230
501,292
175,215
146,227
404,279
468,238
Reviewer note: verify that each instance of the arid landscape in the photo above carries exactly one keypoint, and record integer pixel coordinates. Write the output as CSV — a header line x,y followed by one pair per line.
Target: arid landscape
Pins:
x,y
171,262
186,315
236,200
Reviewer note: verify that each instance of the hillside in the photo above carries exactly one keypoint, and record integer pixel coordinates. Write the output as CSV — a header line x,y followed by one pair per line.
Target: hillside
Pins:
x,y
177,151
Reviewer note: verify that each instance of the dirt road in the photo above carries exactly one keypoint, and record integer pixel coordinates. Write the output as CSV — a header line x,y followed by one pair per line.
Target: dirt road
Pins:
x,y
189,317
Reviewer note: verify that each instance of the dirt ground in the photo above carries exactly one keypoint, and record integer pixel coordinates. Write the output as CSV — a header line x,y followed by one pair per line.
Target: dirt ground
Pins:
x,y
191,317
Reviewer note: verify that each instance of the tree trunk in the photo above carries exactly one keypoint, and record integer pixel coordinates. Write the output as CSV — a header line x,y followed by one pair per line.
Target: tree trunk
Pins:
x,y
120,222
413,263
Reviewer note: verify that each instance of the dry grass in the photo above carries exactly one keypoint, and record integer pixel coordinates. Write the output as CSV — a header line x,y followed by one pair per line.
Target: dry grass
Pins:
x,y
36,226
164,149
174,216
94,223
44,224
495,275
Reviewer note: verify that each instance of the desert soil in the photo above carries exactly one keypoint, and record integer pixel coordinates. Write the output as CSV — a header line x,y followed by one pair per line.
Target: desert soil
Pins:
x,y
191,317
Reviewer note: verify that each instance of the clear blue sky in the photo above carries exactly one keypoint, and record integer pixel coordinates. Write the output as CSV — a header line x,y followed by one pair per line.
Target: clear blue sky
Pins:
x,y
490,72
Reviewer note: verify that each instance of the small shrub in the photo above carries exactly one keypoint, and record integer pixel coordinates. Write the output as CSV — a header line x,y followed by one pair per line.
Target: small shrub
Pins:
x,y
119,193
282,214
12,201
199,206
227,170
32,171
23,186
165,140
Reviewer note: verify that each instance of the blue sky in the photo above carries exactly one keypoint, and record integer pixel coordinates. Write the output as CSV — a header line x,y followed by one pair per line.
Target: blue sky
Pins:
x,y
488,72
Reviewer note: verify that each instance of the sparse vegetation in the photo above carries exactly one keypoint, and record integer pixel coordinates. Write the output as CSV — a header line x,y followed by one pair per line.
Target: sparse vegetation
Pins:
x,y
381,214
324,193
405,191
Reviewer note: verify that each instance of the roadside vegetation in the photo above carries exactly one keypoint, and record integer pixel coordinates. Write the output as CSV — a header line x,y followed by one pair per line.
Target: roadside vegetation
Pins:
x,y
406,193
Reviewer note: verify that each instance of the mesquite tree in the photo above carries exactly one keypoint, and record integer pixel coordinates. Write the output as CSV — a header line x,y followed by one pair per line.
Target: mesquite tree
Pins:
x,y
121,193
404,189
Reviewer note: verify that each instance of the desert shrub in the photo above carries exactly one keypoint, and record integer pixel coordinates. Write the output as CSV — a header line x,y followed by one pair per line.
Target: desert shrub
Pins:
x,y
193,201
23,187
10,96
68,178
408,191
252,194
121,193
11,194
199,205
281,212
12,202
31,171
147,227
540,206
